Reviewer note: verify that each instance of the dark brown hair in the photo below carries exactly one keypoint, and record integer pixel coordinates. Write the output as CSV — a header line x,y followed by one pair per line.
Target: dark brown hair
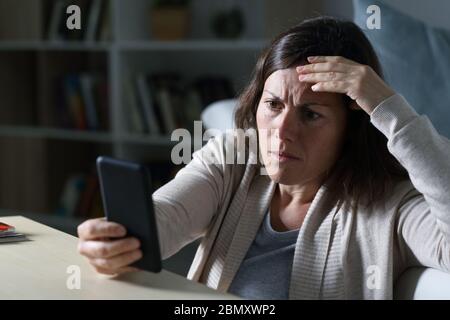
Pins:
x,y
365,170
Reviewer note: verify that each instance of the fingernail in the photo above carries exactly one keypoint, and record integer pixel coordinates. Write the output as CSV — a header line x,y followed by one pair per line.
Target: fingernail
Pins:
x,y
312,58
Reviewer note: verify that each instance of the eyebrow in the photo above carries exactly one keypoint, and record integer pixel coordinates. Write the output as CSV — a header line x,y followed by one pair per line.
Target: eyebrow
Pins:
x,y
306,104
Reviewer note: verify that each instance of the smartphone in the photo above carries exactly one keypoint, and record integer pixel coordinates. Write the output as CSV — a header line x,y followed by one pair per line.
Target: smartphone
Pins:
x,y
126,194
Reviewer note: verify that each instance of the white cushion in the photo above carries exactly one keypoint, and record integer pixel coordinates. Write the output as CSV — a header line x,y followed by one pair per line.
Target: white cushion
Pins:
x,y
219,115
423,284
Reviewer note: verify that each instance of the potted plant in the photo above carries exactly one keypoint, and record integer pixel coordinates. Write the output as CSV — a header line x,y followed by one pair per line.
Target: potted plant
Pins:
x,y
170,19
228,24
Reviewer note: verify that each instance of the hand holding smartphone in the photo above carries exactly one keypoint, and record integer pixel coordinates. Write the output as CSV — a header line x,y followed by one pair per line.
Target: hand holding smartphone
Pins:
x,y
126,193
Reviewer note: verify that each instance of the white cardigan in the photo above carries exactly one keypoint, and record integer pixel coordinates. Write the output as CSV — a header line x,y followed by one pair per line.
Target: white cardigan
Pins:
x,y
338,255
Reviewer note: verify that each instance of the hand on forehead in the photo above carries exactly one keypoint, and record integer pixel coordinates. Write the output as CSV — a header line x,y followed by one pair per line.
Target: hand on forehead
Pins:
x,y
285,85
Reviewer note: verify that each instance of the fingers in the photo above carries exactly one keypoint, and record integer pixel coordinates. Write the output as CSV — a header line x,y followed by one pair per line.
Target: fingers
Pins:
x,y
116,263
331,86
323,67
338,86
114,272
100,228
322,76
107,249
328,64
108,256
338,59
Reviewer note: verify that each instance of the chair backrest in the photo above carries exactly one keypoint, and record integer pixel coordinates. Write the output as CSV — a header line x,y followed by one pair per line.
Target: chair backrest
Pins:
x,y
219,115
423,284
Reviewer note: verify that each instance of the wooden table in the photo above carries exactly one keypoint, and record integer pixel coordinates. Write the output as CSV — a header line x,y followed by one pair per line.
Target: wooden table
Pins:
x,y
41,269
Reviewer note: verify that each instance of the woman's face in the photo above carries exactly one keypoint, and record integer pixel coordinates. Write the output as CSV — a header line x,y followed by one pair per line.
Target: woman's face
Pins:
x,y
300,131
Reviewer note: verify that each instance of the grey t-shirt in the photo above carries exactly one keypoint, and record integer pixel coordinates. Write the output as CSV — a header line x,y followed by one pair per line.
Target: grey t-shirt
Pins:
x,y
265,272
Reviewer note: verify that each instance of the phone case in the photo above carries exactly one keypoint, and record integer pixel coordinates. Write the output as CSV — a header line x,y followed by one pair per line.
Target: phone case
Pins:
x,y
127,200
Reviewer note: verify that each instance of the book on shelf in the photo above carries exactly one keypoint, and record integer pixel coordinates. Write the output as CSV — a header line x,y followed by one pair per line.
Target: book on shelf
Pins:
x,y
167,102
57,28
56,20
74,101
146,102
87,93
165,91
94,21
193,106
104,28
167,107
101,89
136,116
81,196
213,88
86,204
82,102
71,195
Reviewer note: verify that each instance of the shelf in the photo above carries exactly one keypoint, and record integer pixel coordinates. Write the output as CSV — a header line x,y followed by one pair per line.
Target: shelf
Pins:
x,y
54,45
98,137
193,45
134,45
54,133
33,71
134,138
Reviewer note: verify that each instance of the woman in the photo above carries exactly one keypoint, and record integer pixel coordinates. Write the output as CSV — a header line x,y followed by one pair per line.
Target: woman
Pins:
x,y
357,188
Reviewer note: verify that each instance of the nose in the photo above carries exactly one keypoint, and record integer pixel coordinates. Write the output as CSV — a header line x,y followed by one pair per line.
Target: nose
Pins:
x,y
287,126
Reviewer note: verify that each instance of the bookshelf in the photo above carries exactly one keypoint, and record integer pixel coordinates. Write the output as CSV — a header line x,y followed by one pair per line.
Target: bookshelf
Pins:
x,y
41,154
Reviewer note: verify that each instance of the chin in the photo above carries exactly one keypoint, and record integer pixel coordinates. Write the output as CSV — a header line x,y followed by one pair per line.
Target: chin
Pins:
x,y
284,177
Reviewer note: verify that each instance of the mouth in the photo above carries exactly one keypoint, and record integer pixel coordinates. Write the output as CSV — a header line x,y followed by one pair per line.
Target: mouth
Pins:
x,y
284,156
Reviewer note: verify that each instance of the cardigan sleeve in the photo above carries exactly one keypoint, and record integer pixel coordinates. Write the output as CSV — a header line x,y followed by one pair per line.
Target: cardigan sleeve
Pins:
x,y
185,206
423,220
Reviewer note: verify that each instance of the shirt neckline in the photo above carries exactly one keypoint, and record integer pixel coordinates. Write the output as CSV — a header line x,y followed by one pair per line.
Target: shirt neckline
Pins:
x,y
268,228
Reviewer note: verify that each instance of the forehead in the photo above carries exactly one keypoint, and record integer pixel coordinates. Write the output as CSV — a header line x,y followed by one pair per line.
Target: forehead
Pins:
x,y
285,81
285,85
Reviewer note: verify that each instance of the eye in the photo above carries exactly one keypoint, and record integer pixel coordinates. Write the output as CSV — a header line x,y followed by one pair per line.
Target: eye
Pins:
x,y
311,115
273,105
